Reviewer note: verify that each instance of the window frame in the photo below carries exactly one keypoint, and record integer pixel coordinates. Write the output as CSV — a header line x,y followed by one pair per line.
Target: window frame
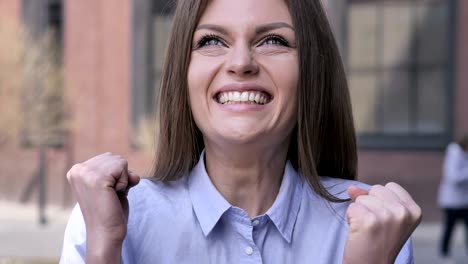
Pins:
x,y
410,141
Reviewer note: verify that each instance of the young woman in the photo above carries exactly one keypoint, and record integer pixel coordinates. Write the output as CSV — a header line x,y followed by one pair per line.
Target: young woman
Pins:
x,y
254,107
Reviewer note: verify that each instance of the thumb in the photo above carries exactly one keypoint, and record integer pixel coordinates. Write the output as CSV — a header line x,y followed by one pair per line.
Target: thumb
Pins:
x,y
133,178
355,191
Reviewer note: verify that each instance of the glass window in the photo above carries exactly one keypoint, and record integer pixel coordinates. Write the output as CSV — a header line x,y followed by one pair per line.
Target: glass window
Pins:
x,y
399,69
151,23
42,98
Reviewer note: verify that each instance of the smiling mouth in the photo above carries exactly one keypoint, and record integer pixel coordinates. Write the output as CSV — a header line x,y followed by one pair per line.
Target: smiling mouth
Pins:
x,y
245,97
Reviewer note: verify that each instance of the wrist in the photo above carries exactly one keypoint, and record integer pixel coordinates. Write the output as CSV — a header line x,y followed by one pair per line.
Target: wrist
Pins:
x,y
367,260
102,249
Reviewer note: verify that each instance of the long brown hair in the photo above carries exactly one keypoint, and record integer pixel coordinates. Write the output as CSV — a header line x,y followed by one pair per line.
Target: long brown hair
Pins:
x,y
323,141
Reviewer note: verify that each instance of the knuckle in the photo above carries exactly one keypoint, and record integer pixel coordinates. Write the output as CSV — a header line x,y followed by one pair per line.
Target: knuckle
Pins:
x,y
371,222
402,214
359,199
74,172
386,216
417,213
375,188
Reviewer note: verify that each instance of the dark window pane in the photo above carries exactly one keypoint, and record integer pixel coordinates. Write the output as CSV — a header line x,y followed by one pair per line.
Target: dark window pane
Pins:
x,y
432,29
432,98
396,102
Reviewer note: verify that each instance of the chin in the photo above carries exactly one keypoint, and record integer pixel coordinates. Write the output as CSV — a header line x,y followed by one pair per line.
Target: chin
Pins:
x,y
240,135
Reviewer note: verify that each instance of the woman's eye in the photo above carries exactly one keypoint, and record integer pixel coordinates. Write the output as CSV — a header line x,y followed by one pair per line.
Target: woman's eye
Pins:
x,y
275,40
209,41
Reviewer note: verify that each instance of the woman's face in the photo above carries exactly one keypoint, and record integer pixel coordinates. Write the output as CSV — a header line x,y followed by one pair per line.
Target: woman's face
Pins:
x,y
243,72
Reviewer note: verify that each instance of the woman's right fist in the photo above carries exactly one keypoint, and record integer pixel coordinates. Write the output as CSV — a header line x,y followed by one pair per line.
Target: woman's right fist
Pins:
x,y
100,186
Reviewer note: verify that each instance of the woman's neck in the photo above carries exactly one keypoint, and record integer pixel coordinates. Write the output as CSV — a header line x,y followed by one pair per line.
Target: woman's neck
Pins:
x,y
247,177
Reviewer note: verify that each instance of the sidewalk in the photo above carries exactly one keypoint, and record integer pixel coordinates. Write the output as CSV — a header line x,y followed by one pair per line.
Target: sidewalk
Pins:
x,y
22,237
426,244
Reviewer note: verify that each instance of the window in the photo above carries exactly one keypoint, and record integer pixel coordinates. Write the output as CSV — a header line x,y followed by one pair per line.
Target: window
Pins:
x,y
42,92
399,62
151,22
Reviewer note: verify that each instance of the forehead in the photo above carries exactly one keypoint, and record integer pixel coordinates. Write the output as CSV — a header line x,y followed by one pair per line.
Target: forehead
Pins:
x,y
245,12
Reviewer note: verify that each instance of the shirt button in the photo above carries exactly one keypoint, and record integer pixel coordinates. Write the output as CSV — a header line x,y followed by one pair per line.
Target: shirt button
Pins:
x,y
255,222
248,250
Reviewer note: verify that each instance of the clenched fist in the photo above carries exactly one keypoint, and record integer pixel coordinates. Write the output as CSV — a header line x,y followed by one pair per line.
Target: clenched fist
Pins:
x,y
380,221
100,185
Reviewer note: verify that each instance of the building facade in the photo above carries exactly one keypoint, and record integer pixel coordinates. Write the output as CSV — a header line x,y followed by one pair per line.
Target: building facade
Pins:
x,y
405,62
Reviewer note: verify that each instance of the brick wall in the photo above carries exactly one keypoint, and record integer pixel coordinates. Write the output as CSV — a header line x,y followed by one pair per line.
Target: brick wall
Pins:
x,y
97,83
11,9
97,68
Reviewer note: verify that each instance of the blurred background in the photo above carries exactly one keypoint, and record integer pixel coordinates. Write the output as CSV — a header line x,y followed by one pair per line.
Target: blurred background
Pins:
x,y
78,78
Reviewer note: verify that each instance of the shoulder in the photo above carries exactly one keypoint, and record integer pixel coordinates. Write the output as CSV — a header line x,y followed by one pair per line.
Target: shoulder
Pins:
x,y
313,203
333,215
150,194
149,187
336,187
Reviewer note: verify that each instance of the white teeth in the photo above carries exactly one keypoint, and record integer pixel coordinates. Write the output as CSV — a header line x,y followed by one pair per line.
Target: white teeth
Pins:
x,y
244,96
252,97
236,96
257,98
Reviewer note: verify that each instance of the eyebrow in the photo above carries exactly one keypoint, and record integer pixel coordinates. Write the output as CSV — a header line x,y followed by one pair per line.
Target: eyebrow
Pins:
x,y
267,27
258,30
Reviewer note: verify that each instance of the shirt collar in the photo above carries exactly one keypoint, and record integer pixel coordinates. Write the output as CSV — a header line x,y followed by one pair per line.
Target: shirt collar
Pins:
x,y
283,213
209,205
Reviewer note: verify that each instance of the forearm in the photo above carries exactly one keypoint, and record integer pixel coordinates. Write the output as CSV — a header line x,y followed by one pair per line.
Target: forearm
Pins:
x,y
101,251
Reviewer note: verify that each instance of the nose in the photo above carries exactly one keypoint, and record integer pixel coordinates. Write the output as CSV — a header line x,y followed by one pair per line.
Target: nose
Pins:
x,y
241,62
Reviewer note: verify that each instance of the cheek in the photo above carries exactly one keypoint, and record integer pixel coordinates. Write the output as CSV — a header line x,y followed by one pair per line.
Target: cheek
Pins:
x,y
201,72
283,71
200,75
287,79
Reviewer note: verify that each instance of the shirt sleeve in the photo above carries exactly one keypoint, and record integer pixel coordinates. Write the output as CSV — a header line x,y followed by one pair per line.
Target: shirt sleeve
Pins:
x,y
74,242
406,254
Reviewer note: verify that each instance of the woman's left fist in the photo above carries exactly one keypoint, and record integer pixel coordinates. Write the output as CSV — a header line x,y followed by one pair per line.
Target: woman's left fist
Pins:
x,y
380,220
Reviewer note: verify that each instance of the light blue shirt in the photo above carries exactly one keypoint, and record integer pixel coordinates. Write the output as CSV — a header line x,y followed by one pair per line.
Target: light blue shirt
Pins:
x,y
189,221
